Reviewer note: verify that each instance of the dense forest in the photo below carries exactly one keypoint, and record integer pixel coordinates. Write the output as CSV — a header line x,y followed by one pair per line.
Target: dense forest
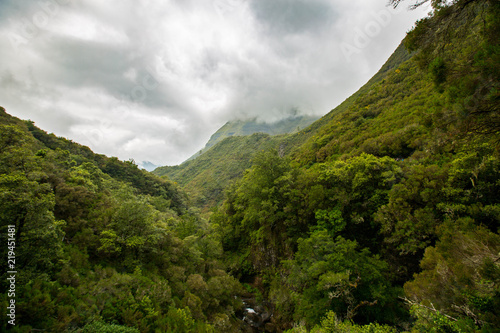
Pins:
x,y
383,216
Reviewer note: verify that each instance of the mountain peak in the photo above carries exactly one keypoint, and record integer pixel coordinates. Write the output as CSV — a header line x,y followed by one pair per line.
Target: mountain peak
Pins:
x,y
243,127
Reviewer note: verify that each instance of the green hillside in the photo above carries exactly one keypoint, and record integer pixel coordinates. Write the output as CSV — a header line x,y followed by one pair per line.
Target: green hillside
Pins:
x,y
287,125
223,160
102,246
446,92
389,212
206,177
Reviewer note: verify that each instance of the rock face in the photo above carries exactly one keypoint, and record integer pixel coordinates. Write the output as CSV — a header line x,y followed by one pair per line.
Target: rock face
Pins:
x,y
257,317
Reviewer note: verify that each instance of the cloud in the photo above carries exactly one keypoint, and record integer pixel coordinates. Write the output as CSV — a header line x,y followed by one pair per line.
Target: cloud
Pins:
x,y
293,17
152,80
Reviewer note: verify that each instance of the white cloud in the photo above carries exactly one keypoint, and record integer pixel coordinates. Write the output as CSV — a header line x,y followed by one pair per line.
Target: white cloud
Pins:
x,y
152,80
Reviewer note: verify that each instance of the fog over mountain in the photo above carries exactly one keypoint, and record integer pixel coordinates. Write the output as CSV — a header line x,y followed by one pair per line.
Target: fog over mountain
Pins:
x,y
152,80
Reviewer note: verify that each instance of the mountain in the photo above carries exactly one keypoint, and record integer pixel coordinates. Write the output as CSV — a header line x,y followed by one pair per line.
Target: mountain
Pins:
x,y
146,165
227,154
99,245
386,210
231,149
206,177
382,216
290,124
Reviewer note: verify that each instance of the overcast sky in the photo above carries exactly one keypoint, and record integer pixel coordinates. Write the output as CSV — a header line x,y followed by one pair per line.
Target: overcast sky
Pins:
x,y
153,79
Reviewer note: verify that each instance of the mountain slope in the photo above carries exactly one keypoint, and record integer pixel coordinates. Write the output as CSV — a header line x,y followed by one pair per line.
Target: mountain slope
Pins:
x,y
449,86
206,177
389,212
291,124
383,216
126,172
101,246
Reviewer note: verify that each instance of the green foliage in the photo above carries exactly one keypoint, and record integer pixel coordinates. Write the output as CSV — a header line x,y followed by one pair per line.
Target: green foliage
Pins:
x,y
430,320
331,221
381,180
206,177
80,219
410,216
391,197
28,205
471,72
460,278
96,326
336,274
358,187
437,69
332,324
256,212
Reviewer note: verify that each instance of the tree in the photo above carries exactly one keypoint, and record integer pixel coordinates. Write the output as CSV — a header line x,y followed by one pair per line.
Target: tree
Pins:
x,y
357,188
335,274
28,206
256,215
27,202
417,3
460,277
436,4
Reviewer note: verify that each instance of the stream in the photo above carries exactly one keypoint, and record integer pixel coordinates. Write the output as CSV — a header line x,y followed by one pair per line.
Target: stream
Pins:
x,y
256,317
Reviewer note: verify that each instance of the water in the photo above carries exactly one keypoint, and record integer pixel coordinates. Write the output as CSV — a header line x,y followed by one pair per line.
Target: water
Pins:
x,y
256,317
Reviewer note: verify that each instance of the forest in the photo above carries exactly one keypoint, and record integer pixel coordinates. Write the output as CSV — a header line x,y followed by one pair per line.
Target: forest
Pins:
x,y
383,216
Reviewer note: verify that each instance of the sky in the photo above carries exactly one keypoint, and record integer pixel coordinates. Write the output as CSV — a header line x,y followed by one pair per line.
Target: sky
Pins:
x,y
151,80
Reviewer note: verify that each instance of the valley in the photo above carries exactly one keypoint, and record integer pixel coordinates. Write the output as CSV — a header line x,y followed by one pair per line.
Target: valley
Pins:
x,y
381,216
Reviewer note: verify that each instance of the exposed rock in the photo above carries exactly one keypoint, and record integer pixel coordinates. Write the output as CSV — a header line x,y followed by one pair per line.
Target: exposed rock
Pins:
x,y
270,327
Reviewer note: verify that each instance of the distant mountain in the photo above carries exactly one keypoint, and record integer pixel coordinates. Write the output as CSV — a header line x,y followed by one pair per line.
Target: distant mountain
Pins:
x,y
205,178
231,149
288,125
146,165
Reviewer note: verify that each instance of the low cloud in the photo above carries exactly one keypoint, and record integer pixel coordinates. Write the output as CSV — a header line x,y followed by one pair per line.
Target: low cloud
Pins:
x,y
152,80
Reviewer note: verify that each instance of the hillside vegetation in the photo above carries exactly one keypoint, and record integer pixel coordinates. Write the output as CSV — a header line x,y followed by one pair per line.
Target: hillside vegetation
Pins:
x,y
389,212
287,125
383,216
102,246
232,148
206,177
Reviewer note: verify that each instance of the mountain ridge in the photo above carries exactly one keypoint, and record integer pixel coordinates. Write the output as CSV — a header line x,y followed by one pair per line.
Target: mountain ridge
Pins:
x,y
206,176
246,127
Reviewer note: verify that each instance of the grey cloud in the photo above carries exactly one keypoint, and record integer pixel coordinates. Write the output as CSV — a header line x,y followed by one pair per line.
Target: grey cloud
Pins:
x,y
291,17
80,63
59,120
10,10
94,64
153,80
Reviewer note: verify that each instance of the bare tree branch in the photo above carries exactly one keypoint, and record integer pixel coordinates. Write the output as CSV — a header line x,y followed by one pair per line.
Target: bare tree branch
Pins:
x,y
433,309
